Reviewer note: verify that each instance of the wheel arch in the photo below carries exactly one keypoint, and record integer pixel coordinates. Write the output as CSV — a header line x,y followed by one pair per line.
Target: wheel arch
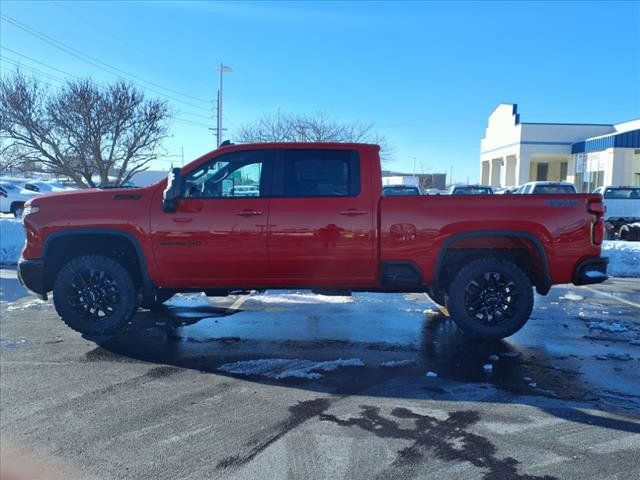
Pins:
x,y
122,246
541,277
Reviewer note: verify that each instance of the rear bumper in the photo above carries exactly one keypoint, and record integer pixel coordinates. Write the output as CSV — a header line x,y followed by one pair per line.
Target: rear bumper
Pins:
x,y
31,275
592,270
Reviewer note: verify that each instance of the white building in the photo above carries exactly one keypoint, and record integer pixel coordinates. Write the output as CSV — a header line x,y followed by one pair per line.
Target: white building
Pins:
x,y
588,155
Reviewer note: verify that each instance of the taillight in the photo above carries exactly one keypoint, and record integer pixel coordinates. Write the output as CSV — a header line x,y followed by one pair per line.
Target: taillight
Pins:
x,y
597,232
596,206
597,229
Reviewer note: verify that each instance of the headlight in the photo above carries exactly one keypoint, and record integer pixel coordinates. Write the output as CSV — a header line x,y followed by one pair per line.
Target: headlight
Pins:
x,y
30,209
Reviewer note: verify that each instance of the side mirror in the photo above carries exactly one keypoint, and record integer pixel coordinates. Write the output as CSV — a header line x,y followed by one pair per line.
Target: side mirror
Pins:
x,y
174,191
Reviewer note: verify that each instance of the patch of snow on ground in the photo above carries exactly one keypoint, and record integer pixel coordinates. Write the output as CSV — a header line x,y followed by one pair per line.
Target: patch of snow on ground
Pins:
x,y
572,296
12,238
624,258
608,327
280,368
397,363
300,298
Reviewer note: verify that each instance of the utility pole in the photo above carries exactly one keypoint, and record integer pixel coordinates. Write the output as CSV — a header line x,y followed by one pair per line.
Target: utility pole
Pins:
x,y
222,68
182,155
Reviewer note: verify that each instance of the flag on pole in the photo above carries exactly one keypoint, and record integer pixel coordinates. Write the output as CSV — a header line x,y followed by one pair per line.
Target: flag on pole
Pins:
x,y
225,68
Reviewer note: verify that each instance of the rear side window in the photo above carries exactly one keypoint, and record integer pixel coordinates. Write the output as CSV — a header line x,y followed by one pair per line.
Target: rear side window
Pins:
x,y
319,173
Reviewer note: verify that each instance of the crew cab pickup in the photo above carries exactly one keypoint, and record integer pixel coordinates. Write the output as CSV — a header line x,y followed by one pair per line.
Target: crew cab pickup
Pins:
x,y
316,219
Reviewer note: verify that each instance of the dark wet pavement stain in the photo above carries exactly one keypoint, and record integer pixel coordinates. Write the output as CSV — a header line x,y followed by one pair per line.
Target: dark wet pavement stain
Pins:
x,y
449,440
298,414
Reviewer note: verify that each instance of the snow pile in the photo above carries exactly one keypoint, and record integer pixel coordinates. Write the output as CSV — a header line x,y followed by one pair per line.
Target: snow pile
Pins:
x,y
12,238
624,258
301,298
280,368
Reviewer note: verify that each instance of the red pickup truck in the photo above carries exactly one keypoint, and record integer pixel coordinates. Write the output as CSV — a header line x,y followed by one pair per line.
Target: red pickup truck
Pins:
x,y
304,215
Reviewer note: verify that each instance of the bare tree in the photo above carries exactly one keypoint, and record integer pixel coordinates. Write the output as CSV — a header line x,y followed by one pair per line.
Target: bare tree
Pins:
x,y
316,127
83,131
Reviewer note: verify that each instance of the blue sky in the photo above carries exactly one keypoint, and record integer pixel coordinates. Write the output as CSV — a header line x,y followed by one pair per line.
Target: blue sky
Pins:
x,y
427,74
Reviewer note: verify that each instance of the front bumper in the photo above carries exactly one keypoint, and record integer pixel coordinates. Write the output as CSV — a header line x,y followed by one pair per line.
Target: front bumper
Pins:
x,y
592,270
31,275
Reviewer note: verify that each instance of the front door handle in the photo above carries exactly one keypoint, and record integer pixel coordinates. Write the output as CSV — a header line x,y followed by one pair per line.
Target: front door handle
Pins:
x,y
249,212
182,219
352,212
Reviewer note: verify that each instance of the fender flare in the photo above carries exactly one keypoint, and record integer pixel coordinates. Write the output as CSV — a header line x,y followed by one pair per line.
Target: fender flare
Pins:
x,y
148,287
545,282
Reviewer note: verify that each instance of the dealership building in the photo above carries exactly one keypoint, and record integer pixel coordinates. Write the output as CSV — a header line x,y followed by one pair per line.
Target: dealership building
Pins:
x,y
587,155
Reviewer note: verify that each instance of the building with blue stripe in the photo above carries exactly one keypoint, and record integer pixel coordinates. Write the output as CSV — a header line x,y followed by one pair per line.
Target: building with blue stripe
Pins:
x,y
588,155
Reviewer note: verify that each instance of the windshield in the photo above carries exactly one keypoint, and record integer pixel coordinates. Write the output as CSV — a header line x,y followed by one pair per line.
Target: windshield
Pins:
x,y
623,193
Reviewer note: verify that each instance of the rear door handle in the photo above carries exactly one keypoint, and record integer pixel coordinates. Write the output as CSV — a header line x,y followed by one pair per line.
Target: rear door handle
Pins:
x,y
182,220
352,212
249,212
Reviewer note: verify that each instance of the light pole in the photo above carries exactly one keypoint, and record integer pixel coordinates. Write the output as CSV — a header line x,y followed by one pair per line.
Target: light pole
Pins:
x,y
222,69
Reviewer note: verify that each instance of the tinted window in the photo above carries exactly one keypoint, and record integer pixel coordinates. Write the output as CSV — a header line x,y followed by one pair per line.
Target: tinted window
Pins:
x,y
544,189
400,190
320,173
237,174
622,193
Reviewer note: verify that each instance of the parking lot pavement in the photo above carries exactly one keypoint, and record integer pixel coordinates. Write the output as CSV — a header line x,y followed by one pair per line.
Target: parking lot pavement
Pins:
x,y
294,385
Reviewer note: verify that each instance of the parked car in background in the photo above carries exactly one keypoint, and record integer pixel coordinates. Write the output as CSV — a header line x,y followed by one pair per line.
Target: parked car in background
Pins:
x,y
245,191
542,188
400,190
622,214
505,190
13,198
436,191
46,187
471,190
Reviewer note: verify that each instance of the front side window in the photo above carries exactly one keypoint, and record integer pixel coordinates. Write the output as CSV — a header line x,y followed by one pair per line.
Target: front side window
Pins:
x,y
235,175
320,173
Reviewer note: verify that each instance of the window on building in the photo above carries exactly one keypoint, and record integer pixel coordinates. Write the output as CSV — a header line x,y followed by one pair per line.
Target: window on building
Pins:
x,y
542,171
564,167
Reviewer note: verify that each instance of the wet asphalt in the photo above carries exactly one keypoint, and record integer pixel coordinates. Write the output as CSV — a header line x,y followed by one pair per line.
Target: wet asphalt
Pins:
x,y
560,400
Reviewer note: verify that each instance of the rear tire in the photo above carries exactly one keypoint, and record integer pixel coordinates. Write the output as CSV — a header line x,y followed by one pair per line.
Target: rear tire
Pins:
x,y
161,297
95,295
490,298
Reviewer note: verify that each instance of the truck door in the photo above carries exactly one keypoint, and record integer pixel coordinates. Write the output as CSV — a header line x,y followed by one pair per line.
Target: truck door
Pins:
x,y
322,228
218,236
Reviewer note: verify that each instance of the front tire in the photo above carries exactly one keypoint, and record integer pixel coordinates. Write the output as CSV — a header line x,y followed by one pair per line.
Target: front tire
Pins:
x,y
95,295
490,298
